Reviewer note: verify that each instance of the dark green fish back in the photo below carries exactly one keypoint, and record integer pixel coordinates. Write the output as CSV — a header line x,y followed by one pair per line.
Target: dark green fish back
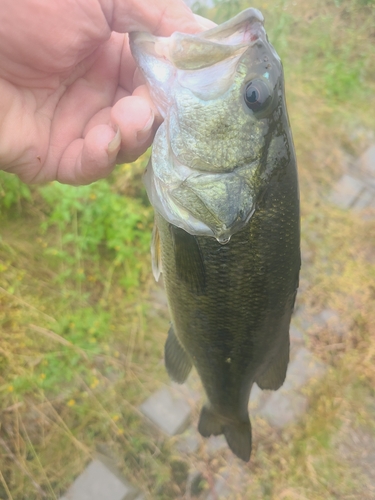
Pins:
x,y
231,304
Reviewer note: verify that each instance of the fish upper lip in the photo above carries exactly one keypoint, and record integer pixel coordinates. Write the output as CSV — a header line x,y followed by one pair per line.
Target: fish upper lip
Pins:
x,y
248,16
238,33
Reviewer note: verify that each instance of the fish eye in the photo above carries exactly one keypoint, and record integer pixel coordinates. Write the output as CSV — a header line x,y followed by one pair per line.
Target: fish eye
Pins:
x,y
257,95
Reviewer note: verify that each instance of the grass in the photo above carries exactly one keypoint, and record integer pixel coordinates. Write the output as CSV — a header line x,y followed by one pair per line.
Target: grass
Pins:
x,y
82,337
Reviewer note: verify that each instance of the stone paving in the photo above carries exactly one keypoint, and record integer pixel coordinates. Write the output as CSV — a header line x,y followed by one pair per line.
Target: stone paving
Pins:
x,y
356,447
167,410
170,409
286,405
100,481
356,187
279,409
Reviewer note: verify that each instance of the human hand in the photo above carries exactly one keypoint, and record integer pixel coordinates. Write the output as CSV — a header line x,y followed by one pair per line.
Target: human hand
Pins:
x,y
71,103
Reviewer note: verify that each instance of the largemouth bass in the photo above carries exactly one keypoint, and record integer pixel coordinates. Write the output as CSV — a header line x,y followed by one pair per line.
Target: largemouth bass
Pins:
x,y
223,182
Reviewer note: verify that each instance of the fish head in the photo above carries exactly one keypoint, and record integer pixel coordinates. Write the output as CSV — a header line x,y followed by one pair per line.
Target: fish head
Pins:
x,y
221,95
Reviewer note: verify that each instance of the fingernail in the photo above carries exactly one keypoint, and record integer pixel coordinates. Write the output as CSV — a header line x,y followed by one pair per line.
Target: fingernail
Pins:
x,y
114,145
143,134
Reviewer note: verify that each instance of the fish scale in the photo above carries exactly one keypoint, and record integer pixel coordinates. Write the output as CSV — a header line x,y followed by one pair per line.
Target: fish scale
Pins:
x,y
230,260
242,294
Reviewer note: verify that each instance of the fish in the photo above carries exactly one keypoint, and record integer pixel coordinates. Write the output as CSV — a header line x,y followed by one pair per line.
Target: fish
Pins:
x,y
223,182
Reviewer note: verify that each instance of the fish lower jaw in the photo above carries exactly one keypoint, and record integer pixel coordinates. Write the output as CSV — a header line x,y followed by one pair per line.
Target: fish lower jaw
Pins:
x,y
176,213
181,218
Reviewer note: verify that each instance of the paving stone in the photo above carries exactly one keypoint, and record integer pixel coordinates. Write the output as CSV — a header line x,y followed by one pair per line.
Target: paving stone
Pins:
x,y
189,442
282,408
365,200
356,446
188,391
287,405
346,191
216,443
168,410
367,161
99,482
301,369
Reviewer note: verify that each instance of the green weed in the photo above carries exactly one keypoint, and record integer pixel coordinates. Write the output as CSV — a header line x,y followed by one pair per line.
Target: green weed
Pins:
x,y
92,221
12,193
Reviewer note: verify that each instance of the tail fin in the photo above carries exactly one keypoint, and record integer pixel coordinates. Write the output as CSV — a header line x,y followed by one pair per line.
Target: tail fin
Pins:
x,y
209,423
238,437
237,434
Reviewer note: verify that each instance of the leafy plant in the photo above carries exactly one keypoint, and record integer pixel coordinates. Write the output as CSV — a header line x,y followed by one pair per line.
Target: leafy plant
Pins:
x,y
12,192
95,221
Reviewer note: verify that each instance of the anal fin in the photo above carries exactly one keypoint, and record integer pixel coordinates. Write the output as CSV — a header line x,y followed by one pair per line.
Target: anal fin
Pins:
x,y
274,376
177,361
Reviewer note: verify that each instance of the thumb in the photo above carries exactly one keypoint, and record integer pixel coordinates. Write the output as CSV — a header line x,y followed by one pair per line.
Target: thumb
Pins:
x,y
160,17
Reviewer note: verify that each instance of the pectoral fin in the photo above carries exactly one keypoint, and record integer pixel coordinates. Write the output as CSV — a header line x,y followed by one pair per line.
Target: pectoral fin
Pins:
x,y
177,361
273,377
189,262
